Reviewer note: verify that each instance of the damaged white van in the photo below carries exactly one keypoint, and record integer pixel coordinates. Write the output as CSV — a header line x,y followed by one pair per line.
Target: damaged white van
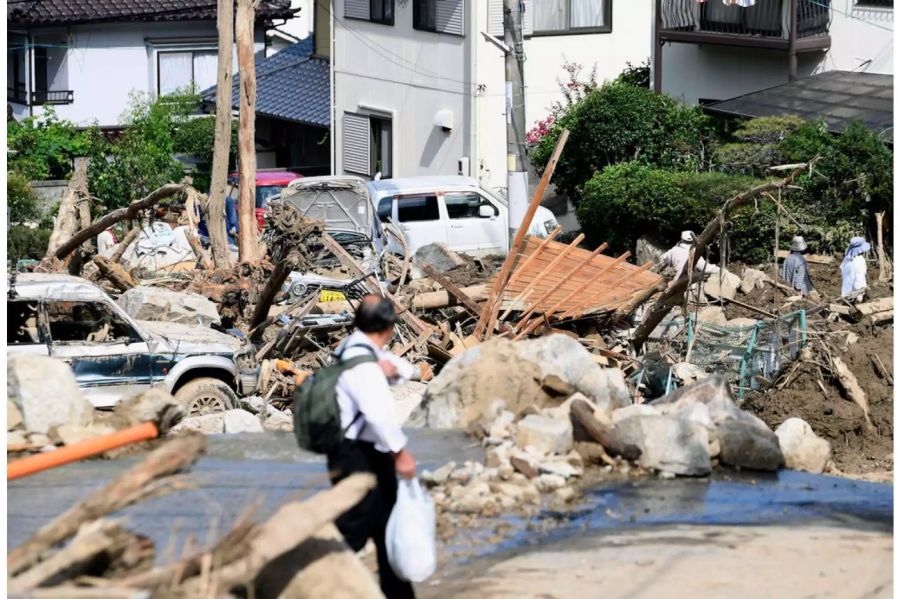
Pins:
x,y
453,210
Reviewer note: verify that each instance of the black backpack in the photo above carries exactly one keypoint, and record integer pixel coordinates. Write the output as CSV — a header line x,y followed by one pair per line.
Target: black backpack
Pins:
x,y
317,416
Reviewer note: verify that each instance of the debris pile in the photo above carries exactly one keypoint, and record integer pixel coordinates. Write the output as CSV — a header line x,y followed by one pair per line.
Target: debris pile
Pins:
x,y
82,551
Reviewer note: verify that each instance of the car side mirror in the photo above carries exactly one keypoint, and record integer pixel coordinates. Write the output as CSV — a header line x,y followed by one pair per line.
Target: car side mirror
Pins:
x,y
485,211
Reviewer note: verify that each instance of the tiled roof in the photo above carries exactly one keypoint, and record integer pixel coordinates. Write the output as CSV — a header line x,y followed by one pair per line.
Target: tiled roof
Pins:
x,y
837,97
292,85
69,12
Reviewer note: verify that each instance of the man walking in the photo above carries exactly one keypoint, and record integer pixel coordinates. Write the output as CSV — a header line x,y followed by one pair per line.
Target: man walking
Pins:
x,y
373,440
795,270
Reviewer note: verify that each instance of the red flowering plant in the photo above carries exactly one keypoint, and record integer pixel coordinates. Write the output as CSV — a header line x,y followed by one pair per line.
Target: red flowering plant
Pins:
x,y
573,90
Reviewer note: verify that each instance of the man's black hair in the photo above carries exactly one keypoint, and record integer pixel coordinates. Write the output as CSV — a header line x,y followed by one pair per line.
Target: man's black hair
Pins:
x,y
374,314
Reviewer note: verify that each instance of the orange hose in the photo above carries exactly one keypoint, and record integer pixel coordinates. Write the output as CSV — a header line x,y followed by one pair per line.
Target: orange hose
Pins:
x,y
73,453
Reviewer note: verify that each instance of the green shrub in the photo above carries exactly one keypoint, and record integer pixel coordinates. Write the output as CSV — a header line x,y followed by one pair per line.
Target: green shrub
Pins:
x,y
43,147
768,129
638,76
24,243
22,201
620,123
854,177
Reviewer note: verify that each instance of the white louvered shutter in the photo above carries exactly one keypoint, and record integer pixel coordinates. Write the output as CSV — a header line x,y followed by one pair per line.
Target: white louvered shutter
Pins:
x,y
450,16
356,9
495,18
356,138
528,18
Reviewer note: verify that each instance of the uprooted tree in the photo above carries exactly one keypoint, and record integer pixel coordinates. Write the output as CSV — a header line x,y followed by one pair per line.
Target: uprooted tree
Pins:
x,y
674,293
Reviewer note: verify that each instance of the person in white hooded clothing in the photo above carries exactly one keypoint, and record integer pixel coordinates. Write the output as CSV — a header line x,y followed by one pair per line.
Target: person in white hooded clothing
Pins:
x,y
853,269
678,256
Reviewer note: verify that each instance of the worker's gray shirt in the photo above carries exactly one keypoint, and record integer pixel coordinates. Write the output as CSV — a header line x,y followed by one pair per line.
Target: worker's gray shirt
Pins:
x,y
795,271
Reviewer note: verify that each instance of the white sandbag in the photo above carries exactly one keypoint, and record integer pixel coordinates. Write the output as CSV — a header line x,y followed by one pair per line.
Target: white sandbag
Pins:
x,y
410,534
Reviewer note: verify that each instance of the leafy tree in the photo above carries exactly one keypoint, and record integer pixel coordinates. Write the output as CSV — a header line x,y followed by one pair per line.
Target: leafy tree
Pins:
x,y
619,122
43,147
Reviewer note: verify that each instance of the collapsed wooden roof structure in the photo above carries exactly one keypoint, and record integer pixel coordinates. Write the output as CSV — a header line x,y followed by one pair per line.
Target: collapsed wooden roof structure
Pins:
x,y
555,281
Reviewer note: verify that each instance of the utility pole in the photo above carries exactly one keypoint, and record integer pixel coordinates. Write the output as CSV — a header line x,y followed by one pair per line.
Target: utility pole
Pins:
x,y
516,177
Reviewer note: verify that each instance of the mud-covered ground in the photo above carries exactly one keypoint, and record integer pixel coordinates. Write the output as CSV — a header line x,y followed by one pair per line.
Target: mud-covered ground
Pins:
x,y
812,393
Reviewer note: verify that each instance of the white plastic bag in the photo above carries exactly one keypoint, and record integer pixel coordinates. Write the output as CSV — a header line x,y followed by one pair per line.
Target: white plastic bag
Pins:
x,y
410,533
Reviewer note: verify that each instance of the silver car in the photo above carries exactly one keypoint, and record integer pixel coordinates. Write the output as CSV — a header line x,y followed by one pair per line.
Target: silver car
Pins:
x,y
113,355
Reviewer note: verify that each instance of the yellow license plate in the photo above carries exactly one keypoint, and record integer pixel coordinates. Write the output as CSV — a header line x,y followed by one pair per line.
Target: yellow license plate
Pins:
x,y
326,295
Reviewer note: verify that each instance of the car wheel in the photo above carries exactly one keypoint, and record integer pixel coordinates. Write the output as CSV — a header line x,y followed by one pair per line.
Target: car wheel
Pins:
x,y
205,395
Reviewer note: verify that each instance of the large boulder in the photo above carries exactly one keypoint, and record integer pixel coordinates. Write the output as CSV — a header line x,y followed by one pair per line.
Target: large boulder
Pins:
x,y
802,448
510,372
547,435
241,421
439,257
646,250
722,284
208,424
743,440
746,445
407,397
13,416
158,303
752,279
667,444
45,391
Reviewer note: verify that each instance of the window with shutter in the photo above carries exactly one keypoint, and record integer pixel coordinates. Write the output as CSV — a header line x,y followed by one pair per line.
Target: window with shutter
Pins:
x,y
450,16
495,17
440,16
356,137
376,11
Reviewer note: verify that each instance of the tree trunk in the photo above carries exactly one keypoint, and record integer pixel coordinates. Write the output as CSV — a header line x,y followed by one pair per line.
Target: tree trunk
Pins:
x,y
131,486
120,214
215,207
67,218
114,273
674,294
247,238
123,245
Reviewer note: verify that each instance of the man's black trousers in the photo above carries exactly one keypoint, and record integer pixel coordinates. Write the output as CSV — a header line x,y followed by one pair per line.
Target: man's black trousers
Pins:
x,y
368,519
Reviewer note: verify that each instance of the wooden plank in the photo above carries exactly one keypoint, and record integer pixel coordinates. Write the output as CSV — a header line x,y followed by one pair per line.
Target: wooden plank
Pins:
x,y
506,268
811,258
452,289
534,254
547,313
880,305
544,271
569,275
347,260
606,297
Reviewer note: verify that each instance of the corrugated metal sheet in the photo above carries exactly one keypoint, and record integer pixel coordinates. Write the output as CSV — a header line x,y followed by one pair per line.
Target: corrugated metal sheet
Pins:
x,y
604,288
355,151
528,18
450,16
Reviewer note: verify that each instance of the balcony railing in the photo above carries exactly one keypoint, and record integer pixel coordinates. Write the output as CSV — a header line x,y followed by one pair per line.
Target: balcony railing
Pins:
x,y
40,97
764,21
17,94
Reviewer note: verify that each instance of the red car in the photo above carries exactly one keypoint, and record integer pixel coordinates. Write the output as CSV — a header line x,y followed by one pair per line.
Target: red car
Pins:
x,y
269,183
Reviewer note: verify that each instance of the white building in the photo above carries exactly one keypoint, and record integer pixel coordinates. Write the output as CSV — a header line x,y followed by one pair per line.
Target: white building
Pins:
x,y
717,50
419,90
85,57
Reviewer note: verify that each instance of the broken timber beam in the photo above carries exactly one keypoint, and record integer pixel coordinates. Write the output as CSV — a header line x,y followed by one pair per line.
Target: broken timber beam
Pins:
x,y
452,289
108,220
493,302
604,435
674,294
133,484
418,325
123,245
114,273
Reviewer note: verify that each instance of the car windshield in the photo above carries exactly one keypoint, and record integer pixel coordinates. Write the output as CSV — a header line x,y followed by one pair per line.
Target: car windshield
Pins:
x,y
264,193
495,195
